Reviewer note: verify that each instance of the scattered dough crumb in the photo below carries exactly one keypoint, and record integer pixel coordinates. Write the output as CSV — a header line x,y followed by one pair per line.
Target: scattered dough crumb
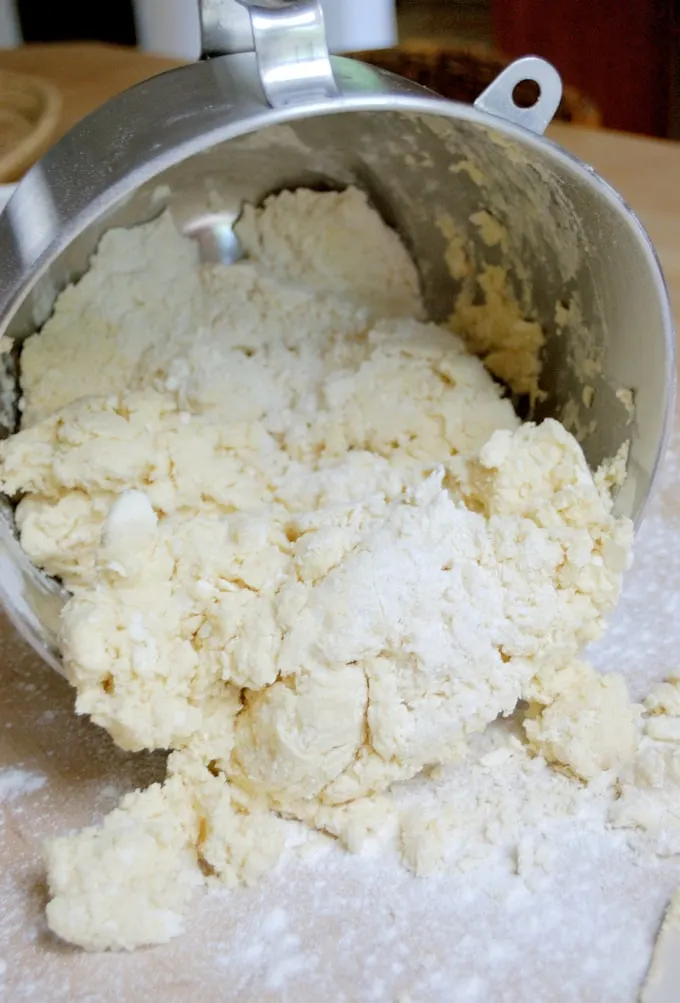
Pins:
x,y
588,725
611,474
627,398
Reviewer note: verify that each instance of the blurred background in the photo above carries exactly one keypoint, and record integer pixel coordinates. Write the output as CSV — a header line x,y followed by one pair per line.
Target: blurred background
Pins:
x,y
619,58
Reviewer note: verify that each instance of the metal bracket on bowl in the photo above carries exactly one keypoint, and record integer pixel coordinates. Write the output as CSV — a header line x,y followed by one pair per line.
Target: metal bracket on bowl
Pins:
x,y
288,37
225,28
498,98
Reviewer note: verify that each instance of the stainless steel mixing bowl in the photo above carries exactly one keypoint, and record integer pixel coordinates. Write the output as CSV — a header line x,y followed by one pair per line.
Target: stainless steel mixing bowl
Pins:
x,y
276,113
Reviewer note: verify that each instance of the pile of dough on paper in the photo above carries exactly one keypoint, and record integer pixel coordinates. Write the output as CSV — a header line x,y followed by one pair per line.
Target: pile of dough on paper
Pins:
x,y
310,546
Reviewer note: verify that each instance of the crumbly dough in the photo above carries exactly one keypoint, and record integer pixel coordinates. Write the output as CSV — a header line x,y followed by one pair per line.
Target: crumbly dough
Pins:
x,y
487,313
151,853
309,544
496,330
649,788
583,721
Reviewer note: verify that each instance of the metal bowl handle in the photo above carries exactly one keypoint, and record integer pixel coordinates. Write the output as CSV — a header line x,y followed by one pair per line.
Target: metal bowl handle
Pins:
x,y
498,98
288,37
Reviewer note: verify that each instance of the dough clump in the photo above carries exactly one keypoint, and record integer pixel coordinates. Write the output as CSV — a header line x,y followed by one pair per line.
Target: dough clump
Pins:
x,y
310,548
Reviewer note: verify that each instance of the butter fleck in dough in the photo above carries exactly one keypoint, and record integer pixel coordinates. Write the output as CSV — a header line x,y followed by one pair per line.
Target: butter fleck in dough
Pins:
x,y
310,547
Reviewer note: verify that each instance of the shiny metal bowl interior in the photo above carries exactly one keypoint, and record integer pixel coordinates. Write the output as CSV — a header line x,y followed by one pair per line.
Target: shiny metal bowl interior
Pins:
x,y
570,239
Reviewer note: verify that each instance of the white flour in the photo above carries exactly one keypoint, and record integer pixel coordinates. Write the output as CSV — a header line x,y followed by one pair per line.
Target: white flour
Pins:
x,y
15,782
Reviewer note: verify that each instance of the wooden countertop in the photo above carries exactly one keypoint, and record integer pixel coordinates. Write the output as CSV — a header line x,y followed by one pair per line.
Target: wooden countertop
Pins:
x,y
81,772
87,74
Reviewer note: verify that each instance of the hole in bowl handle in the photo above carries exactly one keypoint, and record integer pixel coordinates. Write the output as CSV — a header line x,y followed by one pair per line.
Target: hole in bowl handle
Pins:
x,y
498,97
288,36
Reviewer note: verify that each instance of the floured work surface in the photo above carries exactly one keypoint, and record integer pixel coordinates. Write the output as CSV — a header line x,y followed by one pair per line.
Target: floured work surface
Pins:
x,y
501,826
340,926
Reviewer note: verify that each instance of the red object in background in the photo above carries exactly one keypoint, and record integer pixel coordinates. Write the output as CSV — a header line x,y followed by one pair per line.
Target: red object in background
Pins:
x,y
618,52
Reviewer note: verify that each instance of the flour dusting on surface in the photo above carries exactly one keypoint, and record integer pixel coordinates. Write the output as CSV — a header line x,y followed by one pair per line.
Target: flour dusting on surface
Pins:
x,y
16,783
